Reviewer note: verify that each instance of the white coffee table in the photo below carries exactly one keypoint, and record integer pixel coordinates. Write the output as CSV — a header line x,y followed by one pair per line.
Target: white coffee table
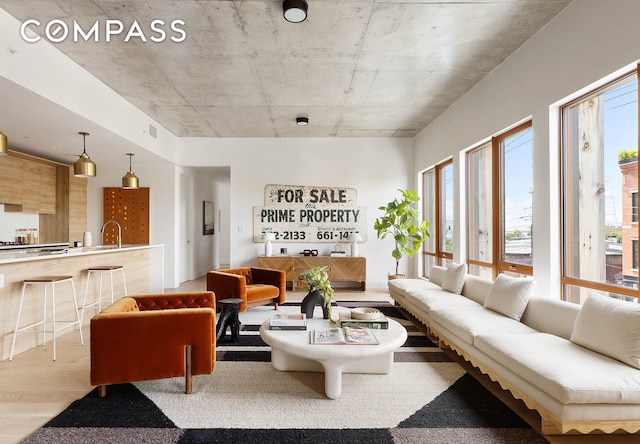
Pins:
x,y
291,351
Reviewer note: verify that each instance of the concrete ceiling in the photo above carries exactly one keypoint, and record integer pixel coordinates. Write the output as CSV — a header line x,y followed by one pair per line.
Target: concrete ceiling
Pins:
x,y
356,68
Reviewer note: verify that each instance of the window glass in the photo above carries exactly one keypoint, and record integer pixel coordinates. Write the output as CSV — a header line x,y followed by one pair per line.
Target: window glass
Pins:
x,y
516,153
480,205
438,211
446,208
600,182
429,209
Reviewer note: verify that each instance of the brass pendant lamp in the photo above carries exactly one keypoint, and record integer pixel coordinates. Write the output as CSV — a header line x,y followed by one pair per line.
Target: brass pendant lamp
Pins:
x,y
84,166
3,145
130,180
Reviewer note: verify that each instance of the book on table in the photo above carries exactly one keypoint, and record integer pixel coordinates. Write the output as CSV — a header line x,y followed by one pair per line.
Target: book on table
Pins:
x,y
343,335
282,321
346,320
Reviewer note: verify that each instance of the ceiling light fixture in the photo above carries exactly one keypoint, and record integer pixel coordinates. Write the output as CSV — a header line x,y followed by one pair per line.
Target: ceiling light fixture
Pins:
x,y
3,145
130,181
84,166
302,121
295,11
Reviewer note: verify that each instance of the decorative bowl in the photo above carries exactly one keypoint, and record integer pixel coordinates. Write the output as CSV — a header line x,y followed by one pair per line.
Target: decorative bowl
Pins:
x,y
365,313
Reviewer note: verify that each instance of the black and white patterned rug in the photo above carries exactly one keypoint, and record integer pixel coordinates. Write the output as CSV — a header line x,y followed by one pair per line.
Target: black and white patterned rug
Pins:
x,y
427,398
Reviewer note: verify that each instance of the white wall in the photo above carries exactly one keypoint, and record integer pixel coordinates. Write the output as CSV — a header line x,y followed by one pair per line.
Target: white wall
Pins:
x,y
374,167
160,177
222,238
589,40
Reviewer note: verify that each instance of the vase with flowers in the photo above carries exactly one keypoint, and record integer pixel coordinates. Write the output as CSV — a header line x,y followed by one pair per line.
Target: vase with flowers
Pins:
x,y
320,292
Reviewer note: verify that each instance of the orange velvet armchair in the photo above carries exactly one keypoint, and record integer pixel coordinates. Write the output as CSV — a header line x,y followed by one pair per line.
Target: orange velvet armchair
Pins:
x,y
139,338
255,286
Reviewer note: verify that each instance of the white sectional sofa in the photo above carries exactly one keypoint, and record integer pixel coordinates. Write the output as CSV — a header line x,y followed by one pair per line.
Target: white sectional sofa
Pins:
x,y
578,366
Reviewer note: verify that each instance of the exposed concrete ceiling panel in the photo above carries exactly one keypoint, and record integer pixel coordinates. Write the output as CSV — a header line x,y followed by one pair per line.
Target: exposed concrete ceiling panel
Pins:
x,y
357,68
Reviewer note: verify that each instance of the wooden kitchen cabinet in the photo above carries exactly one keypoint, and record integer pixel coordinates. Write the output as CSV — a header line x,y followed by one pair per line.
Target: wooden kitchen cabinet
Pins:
x,y
38,185
47,189
341,269
70,219
11,180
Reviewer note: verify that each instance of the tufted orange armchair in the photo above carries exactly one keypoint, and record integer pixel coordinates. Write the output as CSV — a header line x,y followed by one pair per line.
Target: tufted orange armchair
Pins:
x,y
157,336
255,286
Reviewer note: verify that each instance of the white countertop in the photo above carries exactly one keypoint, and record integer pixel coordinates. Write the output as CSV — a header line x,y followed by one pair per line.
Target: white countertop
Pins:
x,y
13,256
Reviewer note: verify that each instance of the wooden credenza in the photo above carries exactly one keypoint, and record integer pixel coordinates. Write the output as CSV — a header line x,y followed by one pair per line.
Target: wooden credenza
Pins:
x,y
341,269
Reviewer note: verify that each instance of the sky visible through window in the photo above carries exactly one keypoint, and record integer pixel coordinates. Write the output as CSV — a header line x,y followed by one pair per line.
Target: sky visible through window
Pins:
x,y
620,134
518,179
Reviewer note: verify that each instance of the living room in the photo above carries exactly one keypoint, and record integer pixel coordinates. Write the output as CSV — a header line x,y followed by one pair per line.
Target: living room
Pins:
x,y
588,44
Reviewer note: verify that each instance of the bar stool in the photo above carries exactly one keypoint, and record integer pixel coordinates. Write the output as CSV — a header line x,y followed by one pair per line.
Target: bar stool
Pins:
x,y
101,270
47,281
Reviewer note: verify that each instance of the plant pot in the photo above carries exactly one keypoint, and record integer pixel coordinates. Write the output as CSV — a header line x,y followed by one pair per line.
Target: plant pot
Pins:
x,y
309,303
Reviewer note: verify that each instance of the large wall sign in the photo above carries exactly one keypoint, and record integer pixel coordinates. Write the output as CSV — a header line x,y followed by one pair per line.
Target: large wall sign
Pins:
x,y
309,214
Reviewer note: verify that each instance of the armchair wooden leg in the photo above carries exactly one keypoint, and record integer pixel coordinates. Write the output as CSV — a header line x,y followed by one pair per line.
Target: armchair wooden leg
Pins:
x,y
275,306
102,391
188,377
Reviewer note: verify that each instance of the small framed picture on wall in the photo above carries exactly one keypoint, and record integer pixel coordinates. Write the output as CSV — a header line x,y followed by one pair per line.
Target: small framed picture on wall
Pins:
x,y
207,218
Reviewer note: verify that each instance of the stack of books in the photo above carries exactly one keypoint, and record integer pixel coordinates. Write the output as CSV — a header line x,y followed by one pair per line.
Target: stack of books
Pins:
x,y
346,320
281,321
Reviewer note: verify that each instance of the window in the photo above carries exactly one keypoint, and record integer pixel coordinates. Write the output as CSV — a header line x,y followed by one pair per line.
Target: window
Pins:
x,y
429,214
480,211
445,226
599,184
499,204
438,209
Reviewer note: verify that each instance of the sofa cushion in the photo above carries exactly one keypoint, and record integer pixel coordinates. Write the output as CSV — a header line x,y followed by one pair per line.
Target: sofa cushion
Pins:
x,y
428,300
453,279
468,322
259,292
436,274
404,286
611,327
564,370
476,288
549,315
509,296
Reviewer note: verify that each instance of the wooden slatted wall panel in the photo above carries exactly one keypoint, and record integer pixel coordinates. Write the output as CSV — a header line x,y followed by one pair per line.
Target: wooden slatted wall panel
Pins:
x,y
130,208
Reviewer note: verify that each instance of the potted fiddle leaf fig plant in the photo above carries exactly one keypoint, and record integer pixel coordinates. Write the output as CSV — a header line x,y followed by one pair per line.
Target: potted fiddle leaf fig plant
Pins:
x,y
401,220
320,292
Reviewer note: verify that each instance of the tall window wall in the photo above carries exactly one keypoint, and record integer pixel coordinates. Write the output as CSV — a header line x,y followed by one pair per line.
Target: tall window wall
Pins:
x,y
499,204
600,192
437,209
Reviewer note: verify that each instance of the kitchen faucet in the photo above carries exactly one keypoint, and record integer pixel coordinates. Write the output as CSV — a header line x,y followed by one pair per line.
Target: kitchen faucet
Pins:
x,y
119,231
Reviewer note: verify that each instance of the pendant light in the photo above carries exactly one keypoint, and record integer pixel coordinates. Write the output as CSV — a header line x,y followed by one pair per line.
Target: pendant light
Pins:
x,y
84,166
130,180
3,144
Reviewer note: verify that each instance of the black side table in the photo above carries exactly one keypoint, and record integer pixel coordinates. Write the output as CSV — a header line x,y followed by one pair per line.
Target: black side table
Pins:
x,y
229,318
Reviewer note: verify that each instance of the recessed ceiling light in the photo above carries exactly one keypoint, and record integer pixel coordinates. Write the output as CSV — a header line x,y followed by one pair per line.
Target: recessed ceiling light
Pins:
x,y
302,121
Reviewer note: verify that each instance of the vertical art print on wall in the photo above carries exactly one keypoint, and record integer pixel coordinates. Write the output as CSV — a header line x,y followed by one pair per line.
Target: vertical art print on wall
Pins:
x,y
208,218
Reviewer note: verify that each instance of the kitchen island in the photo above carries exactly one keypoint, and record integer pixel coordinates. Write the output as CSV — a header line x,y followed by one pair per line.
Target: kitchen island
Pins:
x,y
143,268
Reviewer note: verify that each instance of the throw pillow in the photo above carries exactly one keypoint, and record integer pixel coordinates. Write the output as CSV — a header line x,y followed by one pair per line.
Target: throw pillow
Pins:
x,y
454,276
509,296
610,327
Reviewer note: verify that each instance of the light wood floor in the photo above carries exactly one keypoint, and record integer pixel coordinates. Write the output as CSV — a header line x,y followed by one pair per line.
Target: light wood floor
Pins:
x,y
34,388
